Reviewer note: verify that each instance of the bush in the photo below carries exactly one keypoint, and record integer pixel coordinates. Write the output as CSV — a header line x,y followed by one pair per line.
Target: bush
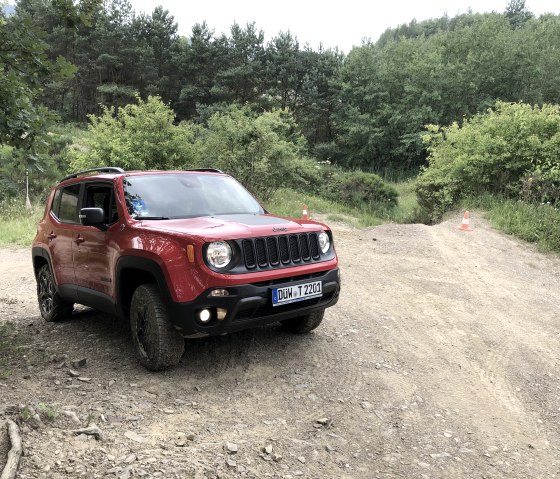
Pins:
x,y
512,151
359,189
264,152
541,188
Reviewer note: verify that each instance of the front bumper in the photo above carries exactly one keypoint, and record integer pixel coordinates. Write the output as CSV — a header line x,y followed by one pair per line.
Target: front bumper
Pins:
x,y
250,305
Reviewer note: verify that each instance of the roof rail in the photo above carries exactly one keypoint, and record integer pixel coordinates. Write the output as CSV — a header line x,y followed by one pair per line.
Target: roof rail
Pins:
x,y
208,170
106,169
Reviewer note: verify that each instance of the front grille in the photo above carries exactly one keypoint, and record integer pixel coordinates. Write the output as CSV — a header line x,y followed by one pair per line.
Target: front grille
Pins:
x,y
262,257
273,254
276,251
249,254
284,249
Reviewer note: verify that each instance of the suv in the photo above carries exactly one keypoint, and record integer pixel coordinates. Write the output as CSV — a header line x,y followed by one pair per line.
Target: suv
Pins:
x,y
182,254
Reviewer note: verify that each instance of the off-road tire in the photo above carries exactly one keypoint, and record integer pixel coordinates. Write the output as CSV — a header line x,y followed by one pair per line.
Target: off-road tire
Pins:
x,y
51,305
304,324
158,344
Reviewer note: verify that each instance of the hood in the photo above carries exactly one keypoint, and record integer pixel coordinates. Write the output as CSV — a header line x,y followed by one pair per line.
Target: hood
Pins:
x,y
233,226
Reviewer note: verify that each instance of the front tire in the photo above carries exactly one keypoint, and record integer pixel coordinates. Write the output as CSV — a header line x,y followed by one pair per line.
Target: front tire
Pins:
x,y
158,344
51,304
304,324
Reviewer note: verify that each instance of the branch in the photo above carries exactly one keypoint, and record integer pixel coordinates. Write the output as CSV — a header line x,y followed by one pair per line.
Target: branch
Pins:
x,y
12,463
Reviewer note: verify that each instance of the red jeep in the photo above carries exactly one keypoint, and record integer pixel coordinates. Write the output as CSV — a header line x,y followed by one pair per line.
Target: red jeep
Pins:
x,y
183,254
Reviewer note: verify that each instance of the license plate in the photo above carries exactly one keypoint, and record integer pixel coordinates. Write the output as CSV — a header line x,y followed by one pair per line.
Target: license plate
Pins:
x,y
299,292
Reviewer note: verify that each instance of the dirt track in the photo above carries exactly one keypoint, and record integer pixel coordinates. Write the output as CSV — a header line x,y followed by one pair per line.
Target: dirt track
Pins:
x,y
441,360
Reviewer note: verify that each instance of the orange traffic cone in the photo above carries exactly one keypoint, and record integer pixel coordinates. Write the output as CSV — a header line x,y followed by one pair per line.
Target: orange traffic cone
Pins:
x,y
465,224
305,214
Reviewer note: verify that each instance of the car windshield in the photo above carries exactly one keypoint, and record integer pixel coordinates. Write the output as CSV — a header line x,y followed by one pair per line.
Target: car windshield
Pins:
x,y
186,195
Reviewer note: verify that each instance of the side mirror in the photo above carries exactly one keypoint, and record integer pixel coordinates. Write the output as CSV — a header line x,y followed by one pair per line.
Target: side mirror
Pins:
x,y
92,216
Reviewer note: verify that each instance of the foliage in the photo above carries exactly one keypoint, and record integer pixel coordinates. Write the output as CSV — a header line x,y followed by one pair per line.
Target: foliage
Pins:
x,y
387,95
366,110
439,72
517,13
49,162
46,411
264,152
360,188
29,140
137,136
511,150
25,72
120,54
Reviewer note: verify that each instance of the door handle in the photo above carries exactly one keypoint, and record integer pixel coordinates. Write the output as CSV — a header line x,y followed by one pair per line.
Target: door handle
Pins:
x,y
79,239
51,235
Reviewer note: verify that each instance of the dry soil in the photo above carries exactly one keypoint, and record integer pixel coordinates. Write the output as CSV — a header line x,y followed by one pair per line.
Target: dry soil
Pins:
x,y
441,360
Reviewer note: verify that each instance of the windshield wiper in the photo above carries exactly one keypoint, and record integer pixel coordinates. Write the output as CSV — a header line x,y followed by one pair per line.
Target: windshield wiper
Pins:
x,y
152,218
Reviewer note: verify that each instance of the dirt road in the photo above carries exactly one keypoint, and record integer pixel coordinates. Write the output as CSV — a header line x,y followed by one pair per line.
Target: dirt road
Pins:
x,y
441,360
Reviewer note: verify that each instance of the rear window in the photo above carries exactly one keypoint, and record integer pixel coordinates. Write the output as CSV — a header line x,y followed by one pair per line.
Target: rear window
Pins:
x,y
68,207
56,202
186,195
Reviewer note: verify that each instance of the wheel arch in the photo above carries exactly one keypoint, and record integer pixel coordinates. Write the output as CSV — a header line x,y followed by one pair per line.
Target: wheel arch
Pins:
x,y
40,257
134,271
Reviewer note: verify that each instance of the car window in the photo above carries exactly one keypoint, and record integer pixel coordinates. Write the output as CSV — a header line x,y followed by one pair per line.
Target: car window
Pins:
x,y
56,202
187,195
101,196
68,209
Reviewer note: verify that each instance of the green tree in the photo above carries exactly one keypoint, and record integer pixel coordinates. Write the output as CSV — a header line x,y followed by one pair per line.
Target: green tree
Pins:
x,y
285,71
158,34
241,79
199,61
26,70
517,13
137,137
319,98
264,152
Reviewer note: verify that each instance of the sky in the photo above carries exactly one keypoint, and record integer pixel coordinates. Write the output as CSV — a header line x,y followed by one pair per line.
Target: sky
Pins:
x,y
342,24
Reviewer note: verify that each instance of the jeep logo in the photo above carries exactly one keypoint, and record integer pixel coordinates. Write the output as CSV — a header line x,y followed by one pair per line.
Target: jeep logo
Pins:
x,y
279,229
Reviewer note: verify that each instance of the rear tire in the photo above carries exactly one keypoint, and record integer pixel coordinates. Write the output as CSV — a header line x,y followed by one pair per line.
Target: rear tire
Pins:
x,y
158,344
51,304
304,324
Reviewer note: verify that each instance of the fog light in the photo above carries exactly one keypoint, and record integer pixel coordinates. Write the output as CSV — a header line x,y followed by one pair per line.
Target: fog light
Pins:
x,y
219,292
204,316
221,313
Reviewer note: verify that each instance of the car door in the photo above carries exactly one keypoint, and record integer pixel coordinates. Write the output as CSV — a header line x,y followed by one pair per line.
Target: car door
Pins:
x,y
94,247
63,222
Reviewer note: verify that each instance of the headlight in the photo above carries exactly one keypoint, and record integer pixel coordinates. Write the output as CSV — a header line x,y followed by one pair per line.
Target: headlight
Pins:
x,y
218,254
324,242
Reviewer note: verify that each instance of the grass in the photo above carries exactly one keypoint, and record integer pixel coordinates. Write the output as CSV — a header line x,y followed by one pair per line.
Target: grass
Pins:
x,y
288,202
46,411
534,223
17,224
